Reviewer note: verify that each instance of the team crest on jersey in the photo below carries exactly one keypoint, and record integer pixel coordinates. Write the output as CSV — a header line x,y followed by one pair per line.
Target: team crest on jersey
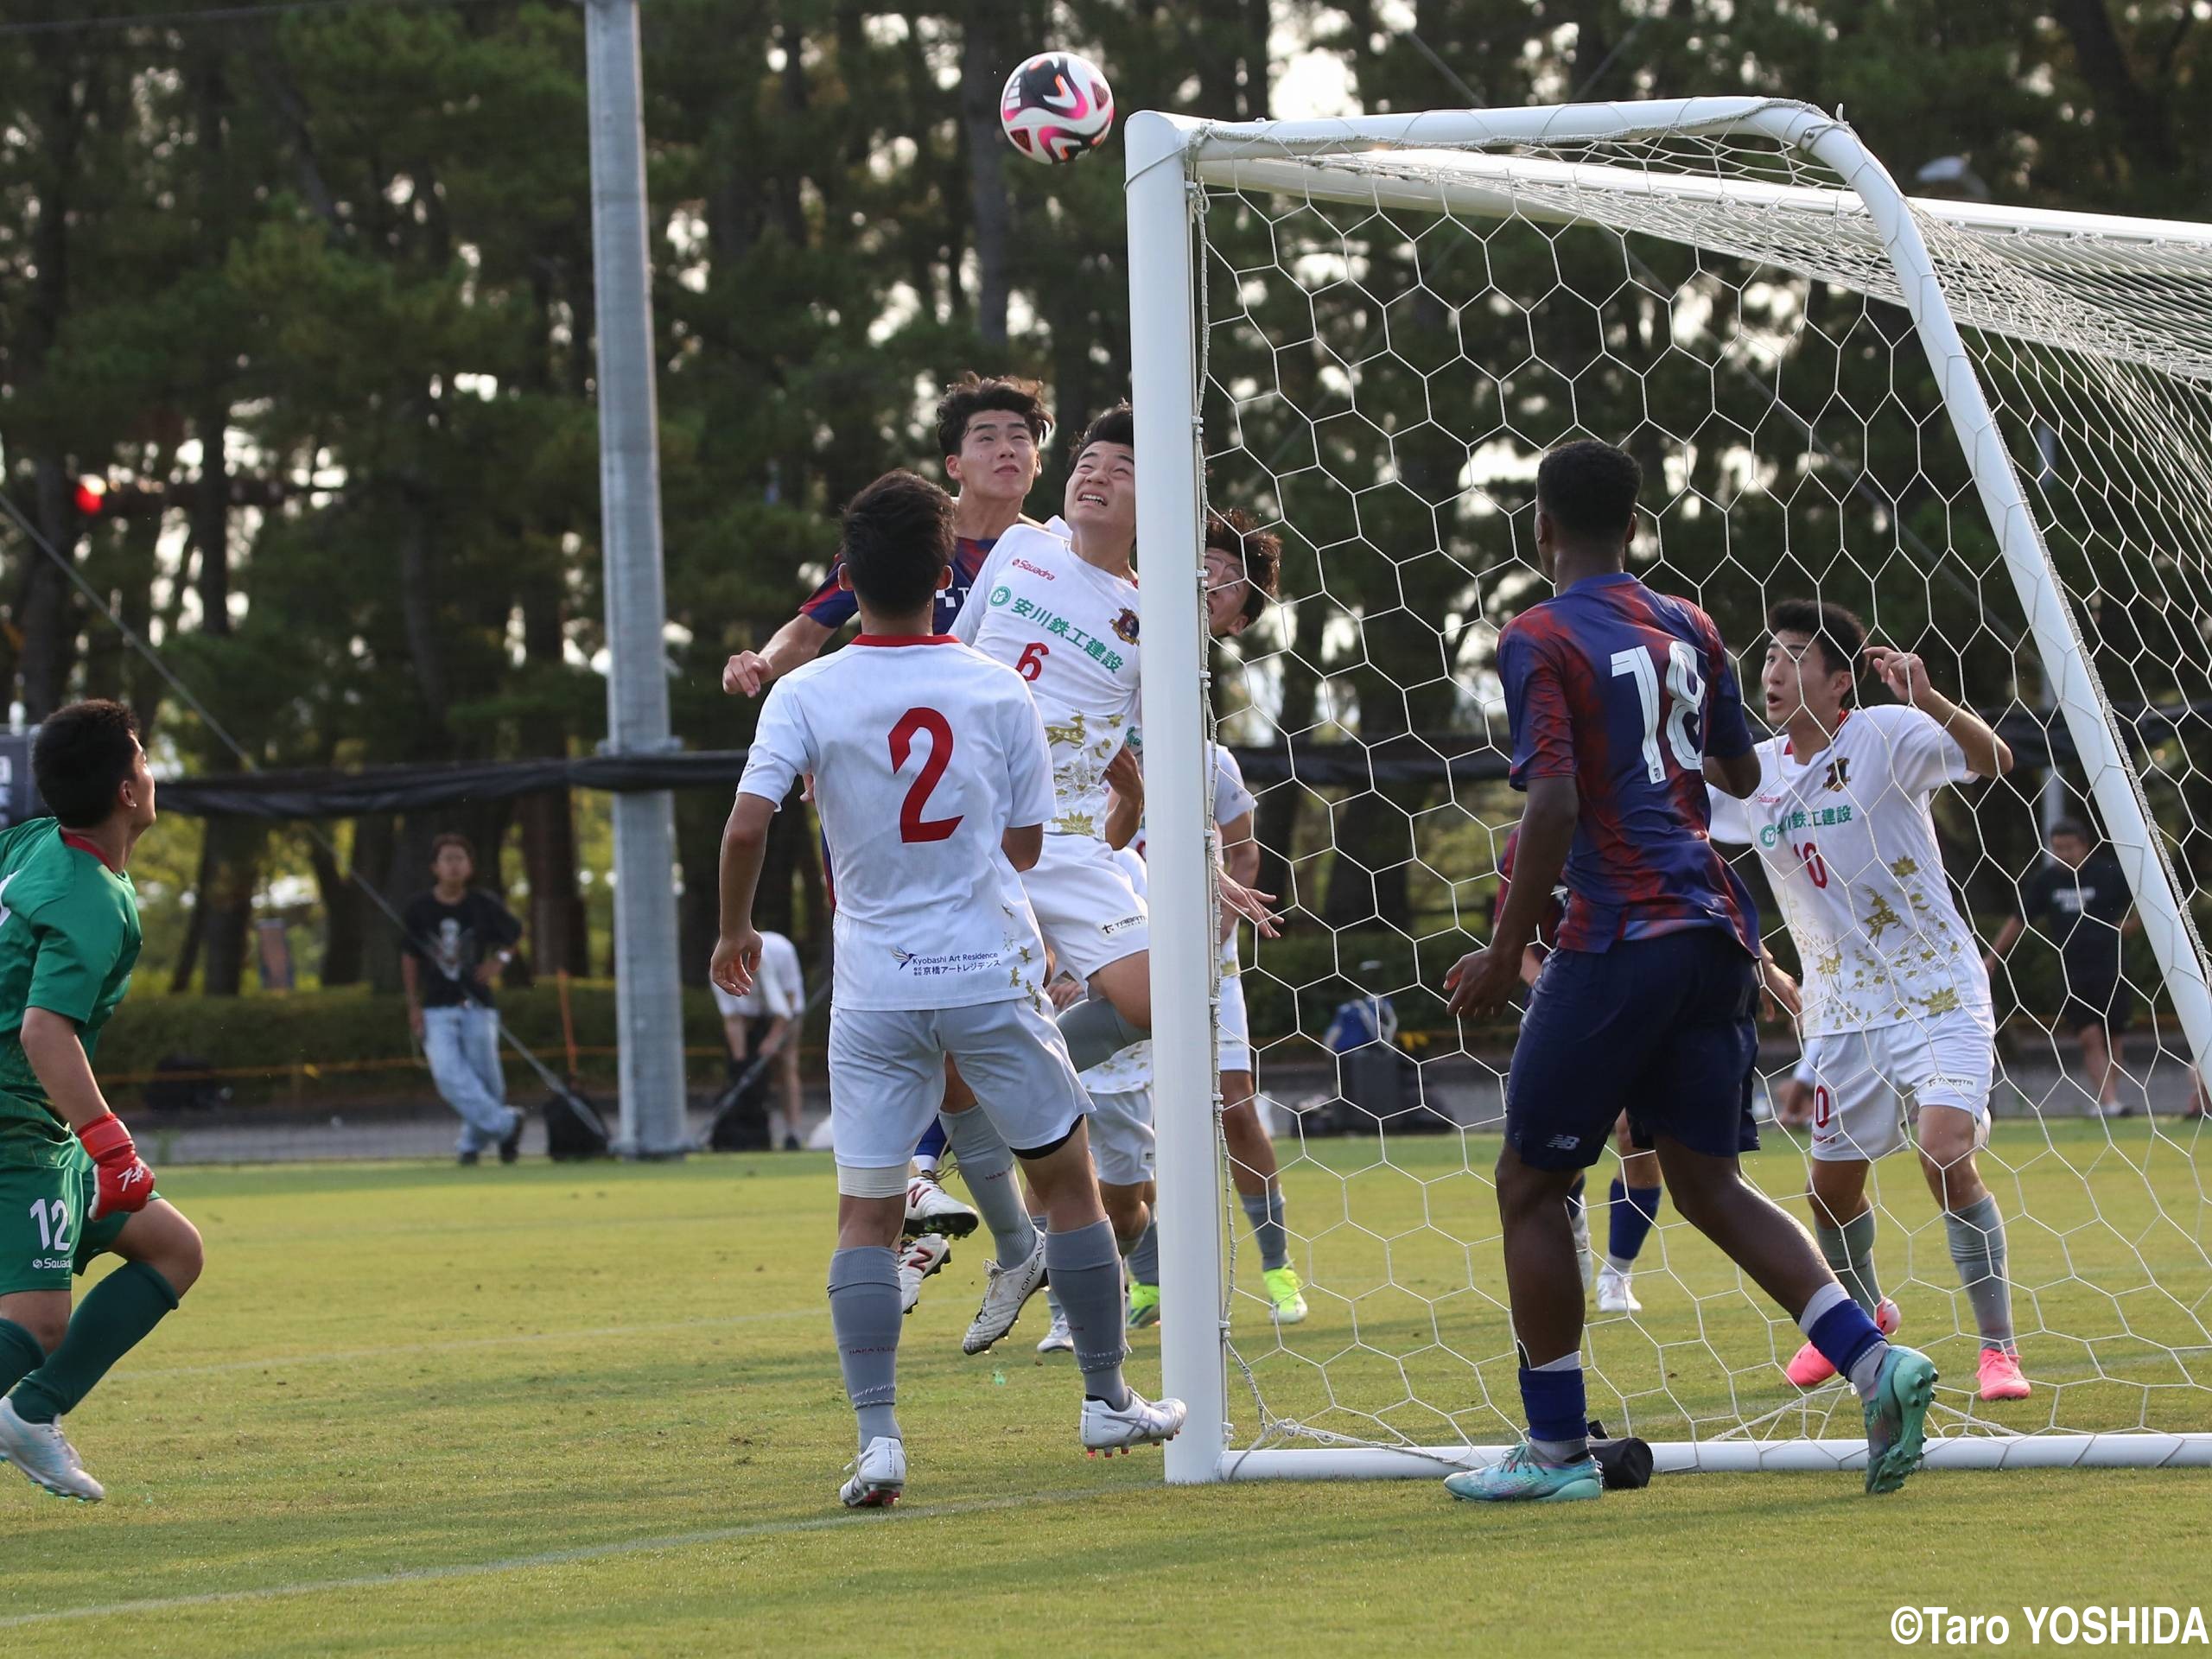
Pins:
x,y
1839,772
1125,626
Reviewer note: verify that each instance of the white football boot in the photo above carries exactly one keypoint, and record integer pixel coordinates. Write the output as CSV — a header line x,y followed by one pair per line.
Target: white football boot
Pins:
x,y
930,1209
879,1476
46,1457
922,1257
1057,1340
1004,1292
1614,1296
1138,1422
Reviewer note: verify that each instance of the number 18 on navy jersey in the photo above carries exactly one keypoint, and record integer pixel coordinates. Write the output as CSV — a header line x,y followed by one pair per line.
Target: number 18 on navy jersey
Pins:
x,y
1626,691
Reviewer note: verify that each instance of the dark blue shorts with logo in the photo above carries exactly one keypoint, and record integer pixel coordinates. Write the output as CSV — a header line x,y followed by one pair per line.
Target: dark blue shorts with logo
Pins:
x,y
1660,1028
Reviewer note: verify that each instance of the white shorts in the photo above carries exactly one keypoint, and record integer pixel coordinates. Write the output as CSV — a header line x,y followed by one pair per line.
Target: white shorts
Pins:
x,y
1866,1082
1235,1026
1089,913
886,1077
1121,1138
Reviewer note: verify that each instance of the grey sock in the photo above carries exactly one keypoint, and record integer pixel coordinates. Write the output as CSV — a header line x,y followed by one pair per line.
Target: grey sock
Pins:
x,y
1264,1212
1085,1269
1849,1251
1978,1251
1868,1370
1094,1031
987,1167
864,1312
1144,1260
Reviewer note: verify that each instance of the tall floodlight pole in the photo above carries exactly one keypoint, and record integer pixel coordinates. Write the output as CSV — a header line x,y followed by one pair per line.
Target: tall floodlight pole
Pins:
x,y
648,1004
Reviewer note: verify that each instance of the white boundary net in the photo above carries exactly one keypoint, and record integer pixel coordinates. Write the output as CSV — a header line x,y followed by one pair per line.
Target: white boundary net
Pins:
x,y
1386,337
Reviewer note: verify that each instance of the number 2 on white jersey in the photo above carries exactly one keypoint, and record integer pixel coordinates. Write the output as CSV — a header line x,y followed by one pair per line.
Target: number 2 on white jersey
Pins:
x,y
912,826
1687,690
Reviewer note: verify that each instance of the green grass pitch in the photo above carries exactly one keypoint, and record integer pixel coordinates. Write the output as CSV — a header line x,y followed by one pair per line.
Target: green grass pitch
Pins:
x,y
558,1411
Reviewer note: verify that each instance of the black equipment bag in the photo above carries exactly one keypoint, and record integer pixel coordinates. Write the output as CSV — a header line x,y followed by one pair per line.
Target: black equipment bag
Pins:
x,y
1626,1463
574,1128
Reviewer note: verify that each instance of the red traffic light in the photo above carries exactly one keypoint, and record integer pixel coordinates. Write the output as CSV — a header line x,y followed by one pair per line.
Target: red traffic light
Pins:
x,y
92,496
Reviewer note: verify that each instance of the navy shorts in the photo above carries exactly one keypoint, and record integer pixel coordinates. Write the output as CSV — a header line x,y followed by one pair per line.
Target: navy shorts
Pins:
x,y
1660,1029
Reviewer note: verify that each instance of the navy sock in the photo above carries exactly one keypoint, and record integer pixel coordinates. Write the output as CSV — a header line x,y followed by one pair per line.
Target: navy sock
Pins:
x,y
1840,1329
1630,1217
1557,1407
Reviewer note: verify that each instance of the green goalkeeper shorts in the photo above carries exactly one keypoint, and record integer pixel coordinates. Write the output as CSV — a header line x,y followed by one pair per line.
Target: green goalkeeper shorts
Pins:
x,y
44,1237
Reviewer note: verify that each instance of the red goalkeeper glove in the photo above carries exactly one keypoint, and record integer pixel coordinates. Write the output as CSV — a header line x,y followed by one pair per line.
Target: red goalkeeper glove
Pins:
x,y
125,1183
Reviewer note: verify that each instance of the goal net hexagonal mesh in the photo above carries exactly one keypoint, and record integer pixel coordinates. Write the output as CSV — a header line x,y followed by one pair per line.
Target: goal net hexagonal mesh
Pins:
x,y
1382,326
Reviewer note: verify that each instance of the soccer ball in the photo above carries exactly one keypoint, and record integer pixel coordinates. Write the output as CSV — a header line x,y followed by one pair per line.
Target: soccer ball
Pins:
x,y
1057,106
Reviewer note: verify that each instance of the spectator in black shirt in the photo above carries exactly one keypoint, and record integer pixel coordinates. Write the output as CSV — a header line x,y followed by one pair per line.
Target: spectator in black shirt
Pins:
x,y
458,939
2081,904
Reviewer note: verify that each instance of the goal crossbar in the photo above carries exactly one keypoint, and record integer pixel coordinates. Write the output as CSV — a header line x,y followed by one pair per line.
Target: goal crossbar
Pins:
x,y
1479,182
1395,160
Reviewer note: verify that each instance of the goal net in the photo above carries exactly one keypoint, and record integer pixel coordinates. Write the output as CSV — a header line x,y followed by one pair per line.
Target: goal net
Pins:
x,y
1988,432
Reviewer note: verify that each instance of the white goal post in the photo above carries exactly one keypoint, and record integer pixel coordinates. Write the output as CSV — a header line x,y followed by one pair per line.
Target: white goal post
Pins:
x,y
1817,206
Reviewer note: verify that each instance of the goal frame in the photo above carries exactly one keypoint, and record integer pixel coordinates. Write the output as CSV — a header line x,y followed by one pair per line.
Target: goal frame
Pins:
x,y
1168,159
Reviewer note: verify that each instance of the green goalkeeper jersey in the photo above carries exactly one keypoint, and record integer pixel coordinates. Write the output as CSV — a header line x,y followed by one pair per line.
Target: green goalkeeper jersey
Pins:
x,y
69,939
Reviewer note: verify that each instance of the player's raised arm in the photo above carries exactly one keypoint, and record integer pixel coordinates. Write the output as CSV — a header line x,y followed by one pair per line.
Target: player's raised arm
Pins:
x,y
799,642
1987,754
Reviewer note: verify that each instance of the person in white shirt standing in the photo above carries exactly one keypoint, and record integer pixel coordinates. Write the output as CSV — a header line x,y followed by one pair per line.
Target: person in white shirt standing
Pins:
x,y
778,996
932,776
1896,1015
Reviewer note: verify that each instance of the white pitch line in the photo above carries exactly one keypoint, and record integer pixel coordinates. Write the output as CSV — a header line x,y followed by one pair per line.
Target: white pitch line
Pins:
x,y
347,1356
549,1558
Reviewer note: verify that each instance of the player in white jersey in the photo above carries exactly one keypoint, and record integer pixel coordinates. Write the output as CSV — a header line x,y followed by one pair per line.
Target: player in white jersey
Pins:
x,y
1896,1010
1063,615
933,781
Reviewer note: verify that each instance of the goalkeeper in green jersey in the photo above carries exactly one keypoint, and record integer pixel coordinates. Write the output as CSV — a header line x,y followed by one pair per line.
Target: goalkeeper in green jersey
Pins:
x,y
71,1186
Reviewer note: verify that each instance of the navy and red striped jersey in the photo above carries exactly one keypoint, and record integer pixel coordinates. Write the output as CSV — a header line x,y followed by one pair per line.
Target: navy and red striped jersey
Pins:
x,y
1626,691
833,607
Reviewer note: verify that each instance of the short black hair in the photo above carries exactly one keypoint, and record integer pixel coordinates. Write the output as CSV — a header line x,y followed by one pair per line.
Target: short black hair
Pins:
x,y
972,394
898,542
1589,489
2073,827
452,838
83,754
1117,425
1258,550
1838,634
